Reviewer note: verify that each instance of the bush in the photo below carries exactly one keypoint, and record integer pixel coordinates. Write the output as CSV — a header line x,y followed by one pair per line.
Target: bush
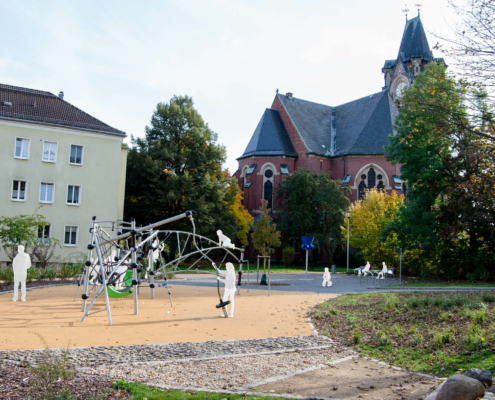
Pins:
x,y
7,275
32,274
288,256
66,271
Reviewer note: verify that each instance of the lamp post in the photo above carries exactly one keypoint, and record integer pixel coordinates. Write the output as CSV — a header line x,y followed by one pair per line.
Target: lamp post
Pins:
x,y
348,212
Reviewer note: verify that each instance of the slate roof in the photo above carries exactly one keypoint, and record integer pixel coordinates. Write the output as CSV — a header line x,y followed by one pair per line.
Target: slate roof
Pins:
x,y
362,126
414,42
270,138
37,106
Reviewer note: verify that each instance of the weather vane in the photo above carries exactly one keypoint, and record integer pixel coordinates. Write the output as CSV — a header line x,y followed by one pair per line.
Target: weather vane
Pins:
x,y
418,6
405,10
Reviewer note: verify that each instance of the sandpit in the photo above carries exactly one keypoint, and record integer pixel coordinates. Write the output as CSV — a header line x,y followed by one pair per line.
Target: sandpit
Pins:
x,y
52,313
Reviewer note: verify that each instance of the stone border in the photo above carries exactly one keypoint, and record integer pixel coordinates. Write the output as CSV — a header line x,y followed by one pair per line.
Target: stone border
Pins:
x,y
433,289
39,287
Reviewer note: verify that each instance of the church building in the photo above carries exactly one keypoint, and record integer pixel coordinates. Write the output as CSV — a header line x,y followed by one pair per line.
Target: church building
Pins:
x,y
346,140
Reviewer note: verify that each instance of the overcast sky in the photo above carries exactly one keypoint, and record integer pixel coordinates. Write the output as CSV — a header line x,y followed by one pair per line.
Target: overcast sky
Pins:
x,y
117,59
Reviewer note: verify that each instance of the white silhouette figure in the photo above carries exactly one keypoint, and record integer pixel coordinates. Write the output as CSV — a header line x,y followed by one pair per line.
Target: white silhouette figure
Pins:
x,y
229,286
21,263
384,271
224,240
366,270
327,278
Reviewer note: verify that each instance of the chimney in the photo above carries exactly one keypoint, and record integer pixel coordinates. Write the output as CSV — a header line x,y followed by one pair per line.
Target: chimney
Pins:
x,y
289,94
61,95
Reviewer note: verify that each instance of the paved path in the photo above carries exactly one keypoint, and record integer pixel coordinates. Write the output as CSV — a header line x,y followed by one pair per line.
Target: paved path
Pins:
x,y
296,282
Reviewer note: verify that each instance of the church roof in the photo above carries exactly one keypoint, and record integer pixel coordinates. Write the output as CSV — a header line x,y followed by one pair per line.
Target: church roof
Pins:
x,y
361,126
270,138
414,42
36,106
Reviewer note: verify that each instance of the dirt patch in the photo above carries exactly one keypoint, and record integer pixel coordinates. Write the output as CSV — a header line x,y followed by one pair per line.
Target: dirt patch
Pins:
x,y
20,383
354,379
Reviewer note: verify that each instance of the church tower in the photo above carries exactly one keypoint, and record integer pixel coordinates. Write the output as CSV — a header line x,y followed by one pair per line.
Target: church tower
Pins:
x,y
414,54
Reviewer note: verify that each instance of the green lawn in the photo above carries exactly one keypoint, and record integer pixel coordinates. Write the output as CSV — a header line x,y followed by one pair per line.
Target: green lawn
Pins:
x,y
435,333
140,391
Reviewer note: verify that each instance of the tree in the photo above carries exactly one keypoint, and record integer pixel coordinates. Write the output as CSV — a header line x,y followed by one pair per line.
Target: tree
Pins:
x,y
369,217
21,230
472,46
449,168
177,167
265,235
243,219
313,204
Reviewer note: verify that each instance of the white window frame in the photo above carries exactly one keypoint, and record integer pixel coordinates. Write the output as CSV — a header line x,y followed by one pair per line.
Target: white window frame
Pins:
x,y
82,154
79,199
77,235
44,240
29,148
12,190
43,151
53,193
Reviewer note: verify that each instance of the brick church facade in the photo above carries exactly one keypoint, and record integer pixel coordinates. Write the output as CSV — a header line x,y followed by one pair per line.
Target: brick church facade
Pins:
x,y
346,141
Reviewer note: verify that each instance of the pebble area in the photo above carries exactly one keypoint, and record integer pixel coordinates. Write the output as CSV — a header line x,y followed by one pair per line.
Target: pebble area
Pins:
x,y
90,357
229,373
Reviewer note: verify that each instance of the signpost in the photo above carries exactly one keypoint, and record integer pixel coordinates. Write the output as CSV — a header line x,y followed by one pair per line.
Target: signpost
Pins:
x,y
307,245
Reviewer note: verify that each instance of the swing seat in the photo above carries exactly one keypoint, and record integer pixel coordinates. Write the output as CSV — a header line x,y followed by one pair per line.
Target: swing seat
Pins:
x,y
223,304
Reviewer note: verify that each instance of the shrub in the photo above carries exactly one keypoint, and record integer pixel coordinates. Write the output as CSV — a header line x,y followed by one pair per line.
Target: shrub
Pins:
x,y
392,302
32,274
487,297
382,338
357,337
66,271
288,255
53,372
7,275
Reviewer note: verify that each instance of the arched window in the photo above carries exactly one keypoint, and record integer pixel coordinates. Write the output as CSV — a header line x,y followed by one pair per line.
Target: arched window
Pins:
x,y
404,189
268,193
362,188
380,186
371,178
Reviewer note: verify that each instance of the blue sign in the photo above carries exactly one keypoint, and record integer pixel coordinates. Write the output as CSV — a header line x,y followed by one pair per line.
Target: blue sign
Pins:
x,y
307,243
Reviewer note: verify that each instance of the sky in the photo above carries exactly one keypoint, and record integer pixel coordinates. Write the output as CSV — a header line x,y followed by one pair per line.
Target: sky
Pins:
x,y
116,60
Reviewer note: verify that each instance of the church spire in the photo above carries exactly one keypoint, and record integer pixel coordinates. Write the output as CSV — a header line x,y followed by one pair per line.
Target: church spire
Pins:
x,y
414,43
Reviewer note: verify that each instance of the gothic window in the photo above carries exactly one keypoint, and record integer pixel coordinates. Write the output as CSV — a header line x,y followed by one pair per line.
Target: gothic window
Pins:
x,y
268,173
362,188
371,178
404,189
380,186
268,193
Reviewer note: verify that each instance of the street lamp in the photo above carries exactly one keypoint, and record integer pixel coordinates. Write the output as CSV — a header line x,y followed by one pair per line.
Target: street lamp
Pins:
x,y
348,212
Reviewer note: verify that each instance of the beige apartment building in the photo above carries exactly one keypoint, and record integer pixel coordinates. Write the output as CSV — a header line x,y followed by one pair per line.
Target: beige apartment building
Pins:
x,y
56,156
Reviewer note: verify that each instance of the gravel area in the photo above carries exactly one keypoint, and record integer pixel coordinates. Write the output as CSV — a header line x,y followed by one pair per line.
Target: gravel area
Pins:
x,y
97,356
229,373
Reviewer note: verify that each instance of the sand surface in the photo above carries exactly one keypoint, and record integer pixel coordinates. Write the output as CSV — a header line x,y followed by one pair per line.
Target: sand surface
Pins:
x,y
52,313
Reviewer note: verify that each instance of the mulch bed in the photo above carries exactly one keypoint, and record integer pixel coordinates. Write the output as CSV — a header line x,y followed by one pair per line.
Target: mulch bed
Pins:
x,y
20,383
6,288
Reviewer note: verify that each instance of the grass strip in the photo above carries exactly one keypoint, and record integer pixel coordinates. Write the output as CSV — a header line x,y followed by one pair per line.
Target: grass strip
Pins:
x,y
141,391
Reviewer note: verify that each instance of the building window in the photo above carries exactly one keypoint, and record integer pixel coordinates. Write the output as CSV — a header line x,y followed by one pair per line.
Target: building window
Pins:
x,y
46,192
44,234
380,186
268,173
22,148
76,154
19,190
251,169
247,184
268,193
283,169
49,151
74,195
404,189
70,238
361,191
371,178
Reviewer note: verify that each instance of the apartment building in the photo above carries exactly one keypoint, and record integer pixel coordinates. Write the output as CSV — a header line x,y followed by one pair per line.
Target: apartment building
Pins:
x,y
57,157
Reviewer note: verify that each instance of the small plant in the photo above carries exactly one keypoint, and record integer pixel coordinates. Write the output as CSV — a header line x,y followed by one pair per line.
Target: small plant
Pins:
x,y
487,297
7,275
480,316
32,274
66,271
418,339
446,316
392,302
288,256
357,337
398,331
53,372
414,302
382,338
437,339
332,311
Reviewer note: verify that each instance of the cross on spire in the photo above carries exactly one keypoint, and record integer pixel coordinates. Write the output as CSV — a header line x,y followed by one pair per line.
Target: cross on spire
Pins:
x,y
405,10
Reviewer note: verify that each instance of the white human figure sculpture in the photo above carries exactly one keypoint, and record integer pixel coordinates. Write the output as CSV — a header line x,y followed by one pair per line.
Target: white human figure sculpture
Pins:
x,y
327,278
21,263
384,271
366,269
229,286
224,240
